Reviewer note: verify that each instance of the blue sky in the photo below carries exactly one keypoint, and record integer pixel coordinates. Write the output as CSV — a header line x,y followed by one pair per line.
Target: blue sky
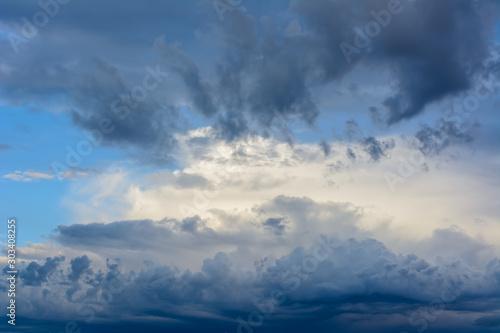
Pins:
x,y
235,165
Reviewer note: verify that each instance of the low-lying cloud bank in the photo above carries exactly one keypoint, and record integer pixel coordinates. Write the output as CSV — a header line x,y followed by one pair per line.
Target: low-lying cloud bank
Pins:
x,y
271,274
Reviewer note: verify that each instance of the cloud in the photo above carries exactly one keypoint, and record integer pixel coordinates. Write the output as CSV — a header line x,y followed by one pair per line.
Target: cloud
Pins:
x,y
238,215
71,173
375,148
133,119
256,79
412,42
326,147
325,288
180,179
79,266
489,321
35,274
179,63
116,234
28,176
276,225
214,175
192,272
433,140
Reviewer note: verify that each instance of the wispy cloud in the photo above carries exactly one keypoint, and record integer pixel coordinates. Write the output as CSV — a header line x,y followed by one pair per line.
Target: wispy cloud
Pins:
x,y
28,176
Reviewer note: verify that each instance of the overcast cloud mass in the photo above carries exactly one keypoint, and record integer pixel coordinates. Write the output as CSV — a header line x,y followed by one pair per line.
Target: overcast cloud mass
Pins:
x,y
250,166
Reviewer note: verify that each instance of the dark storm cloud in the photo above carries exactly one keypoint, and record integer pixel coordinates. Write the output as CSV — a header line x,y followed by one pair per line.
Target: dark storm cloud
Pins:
x,y
231,126
60,72
257,80
387,291
199,92
35,274
276,71
352,284
48,64
489,321
116,234
436,47
438,57
123,114
79,265
254,77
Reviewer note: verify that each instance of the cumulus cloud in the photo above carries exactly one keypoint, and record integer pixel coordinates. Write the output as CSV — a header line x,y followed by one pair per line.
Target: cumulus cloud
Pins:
x,y
290,252
214,175
249,217
338,277
35,274
79,266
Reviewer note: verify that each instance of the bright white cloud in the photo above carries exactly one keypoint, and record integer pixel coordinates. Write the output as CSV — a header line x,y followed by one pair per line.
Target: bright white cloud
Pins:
x,y
218,179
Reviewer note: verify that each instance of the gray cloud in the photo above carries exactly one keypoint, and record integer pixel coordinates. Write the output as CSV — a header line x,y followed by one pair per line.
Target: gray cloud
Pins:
x,y
276,225
256,79
489,321
326,147
79,266
432,46
376,148
240,268
433,140
181,64
35,274
105,95
116,234
356,276
350,154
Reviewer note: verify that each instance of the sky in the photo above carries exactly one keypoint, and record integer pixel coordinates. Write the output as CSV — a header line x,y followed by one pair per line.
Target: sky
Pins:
x,y
251,166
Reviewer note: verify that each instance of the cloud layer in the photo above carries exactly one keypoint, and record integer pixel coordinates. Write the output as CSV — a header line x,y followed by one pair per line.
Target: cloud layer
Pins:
x,y
260,78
